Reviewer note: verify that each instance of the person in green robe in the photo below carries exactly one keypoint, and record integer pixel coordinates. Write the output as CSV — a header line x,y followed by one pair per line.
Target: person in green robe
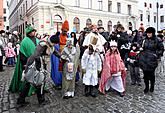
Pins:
x,y
27,48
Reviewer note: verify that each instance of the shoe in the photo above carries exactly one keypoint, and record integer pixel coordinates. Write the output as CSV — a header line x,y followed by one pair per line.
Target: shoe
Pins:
x,y
146,90
2,70
151,90
21,103
139,84
121,94
93,94
66,97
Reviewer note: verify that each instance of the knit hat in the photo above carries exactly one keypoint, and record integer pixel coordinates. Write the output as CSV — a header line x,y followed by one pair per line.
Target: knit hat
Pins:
x,y
29,29
113,43
54,39
65,26
150,30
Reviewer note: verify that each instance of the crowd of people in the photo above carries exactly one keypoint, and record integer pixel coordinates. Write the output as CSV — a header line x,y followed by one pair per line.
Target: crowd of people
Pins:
x,y
100,58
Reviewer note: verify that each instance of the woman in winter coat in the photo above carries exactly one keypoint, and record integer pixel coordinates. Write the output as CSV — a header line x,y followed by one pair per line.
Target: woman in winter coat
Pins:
x,y
152,50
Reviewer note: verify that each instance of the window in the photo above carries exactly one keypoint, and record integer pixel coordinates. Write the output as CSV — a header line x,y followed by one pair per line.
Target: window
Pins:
x,y
76,24
148,18
109,6
154,19
145,4
161,6
118,7
26,5
161,19
4,19
150,5
31,2
109,26
141,17
89,4
77,3
88,22
100,5
129,9
23,8
100,23
4,10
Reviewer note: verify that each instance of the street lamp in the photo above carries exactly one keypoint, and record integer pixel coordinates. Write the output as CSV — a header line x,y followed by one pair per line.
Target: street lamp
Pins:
x,y
157,6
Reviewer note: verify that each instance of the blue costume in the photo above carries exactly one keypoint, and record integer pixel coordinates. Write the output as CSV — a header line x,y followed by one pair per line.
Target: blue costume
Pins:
x,y
56,75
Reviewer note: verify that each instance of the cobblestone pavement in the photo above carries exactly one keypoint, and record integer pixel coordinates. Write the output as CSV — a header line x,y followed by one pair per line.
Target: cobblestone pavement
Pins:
x,y
135,101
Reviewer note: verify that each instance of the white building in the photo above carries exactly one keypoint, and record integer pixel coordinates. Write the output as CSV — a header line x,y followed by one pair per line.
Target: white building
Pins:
x,y
6,15
161,12
47,15
150,15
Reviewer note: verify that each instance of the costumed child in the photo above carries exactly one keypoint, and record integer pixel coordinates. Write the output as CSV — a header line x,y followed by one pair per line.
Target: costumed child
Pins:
x,y
91,67
10,54
69,56
114,73
134,66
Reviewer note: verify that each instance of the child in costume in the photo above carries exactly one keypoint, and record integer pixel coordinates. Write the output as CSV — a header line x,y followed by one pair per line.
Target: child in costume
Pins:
x,y
91,67
114,73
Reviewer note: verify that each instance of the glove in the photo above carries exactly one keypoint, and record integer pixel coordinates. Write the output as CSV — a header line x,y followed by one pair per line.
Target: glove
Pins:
x,y
98,72
128,59
83,71
23,76
132,61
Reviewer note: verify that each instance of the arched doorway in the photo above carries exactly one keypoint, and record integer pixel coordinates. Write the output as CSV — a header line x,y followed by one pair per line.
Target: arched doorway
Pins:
x,y
57,22
109,26
76,25
88,22
100,23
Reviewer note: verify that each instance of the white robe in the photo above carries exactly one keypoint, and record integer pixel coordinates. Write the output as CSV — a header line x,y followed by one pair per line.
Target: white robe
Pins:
x,y
92,64
115,82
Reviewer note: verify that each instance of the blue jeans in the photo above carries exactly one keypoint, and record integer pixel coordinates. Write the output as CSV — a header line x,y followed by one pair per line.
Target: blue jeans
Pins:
x,y
11,61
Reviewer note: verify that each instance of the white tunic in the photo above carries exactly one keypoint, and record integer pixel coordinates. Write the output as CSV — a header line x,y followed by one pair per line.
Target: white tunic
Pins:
x,y
92,64
115,82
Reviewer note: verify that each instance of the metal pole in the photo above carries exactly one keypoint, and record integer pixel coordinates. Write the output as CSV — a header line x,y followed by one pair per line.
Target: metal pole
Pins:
x,y
157,6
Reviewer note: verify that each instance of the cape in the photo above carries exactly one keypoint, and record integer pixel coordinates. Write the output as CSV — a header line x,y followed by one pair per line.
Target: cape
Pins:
x,y
27,47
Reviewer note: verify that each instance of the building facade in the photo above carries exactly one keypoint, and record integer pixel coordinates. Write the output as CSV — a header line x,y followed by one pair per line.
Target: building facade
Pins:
x,y
6,15
1,15
47,15
151,13
161,12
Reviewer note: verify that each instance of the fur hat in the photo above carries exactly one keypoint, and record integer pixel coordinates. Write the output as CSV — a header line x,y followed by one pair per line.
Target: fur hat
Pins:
x,y
113,43
65,26
150,30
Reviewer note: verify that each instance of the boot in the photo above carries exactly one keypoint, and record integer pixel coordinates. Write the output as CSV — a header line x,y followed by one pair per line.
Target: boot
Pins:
x,y
152,87
21,102
146,86
92,91
87,90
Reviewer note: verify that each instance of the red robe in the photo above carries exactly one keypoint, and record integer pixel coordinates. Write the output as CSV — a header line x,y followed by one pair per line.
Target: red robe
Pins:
x,y
112,64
